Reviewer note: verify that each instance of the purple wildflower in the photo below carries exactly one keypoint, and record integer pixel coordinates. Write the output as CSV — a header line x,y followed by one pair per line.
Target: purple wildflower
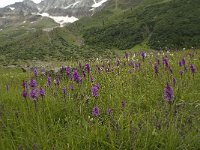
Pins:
x,y
68,71
183,62
95,90
42,92
92,79
33,83
24,94
192,69
181,72
95,111
117,62
35,72
143,54
84,75
168,93
63,68
57,81
136,66
126,55
165,61
180,63
87,67
48,81
156,69
131,64
24,84
64,91
33,93
76,76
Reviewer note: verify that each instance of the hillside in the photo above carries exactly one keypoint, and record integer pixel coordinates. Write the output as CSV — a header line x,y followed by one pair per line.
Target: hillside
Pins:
x,y
121,25
168,23
57,44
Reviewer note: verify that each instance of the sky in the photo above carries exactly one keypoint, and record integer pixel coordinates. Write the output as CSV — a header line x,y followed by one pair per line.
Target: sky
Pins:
x,y
4,3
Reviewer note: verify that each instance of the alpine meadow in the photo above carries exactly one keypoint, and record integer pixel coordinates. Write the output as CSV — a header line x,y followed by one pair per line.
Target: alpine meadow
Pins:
x,y
100,74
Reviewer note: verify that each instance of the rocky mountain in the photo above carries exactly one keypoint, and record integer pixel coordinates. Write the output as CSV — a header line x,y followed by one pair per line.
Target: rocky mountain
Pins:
x,y
61,11
20,8
76,8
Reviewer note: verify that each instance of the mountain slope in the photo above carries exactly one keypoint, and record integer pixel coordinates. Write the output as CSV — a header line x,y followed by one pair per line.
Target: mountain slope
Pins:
x,y
77,8
59,44
61,11
168,23
121,24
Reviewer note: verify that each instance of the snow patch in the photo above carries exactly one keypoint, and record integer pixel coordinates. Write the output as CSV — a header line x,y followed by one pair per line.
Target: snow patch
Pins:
x,y
67,7
37,1
33,22
60,19
95,5
1,30
24,22
12,8
44,15
75,3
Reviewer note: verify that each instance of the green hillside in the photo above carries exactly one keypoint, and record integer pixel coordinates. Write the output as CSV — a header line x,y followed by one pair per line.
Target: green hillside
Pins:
x,y
172,23
44,40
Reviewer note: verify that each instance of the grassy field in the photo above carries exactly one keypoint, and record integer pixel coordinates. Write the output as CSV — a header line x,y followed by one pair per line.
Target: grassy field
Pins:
x,y
138,101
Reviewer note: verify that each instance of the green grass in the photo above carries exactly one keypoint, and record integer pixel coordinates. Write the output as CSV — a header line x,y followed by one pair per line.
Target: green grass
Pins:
x,y
146,122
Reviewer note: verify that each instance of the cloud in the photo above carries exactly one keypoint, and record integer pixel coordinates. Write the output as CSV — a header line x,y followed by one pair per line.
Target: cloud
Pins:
x,y
4,3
